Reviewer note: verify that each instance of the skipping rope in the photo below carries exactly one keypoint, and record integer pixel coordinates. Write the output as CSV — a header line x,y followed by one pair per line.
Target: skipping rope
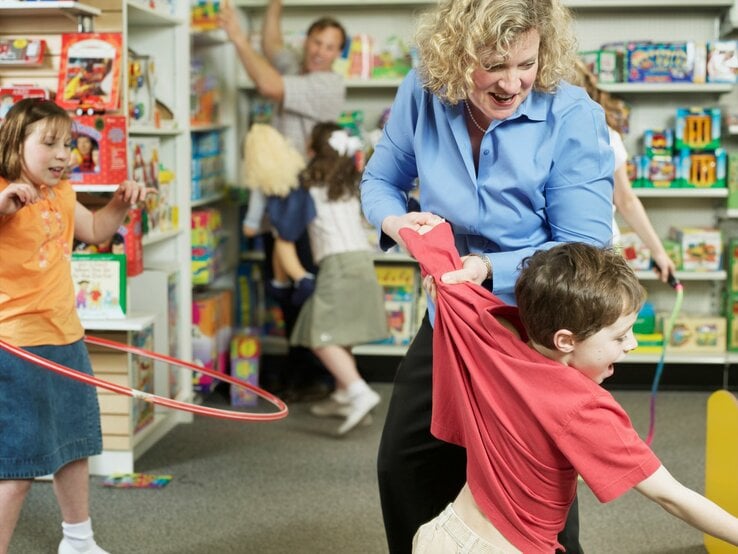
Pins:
x,y
154,398
668,326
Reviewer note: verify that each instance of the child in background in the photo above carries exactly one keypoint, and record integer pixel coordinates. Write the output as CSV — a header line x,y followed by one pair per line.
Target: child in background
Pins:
x,y
49,424
347,307
624,199
519,388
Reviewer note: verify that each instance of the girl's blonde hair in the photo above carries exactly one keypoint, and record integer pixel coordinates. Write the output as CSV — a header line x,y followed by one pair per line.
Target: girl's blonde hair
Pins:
x,y
17,126
458,36
616,111
327,168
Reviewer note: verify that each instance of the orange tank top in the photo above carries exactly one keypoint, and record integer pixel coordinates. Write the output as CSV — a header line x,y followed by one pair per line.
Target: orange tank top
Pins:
x,y
36,289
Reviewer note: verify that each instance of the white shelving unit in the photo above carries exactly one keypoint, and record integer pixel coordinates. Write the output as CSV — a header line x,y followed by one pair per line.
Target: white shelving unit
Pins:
x,y
165,37
653,105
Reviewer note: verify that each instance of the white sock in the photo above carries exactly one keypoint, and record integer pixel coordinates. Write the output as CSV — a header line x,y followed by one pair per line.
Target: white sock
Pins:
x,y
79,535
357,388
281,284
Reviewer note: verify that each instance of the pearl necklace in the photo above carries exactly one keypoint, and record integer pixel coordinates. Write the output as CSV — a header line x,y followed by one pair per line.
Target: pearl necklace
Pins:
x,y
471,115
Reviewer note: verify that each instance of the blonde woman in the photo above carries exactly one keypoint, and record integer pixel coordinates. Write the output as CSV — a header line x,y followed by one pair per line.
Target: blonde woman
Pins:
x,y
516,160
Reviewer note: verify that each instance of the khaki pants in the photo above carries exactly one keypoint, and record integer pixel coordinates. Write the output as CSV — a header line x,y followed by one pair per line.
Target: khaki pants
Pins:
x,y
447,534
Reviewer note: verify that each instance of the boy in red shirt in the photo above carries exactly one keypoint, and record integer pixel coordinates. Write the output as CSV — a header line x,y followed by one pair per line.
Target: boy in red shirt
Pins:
x,y
518,387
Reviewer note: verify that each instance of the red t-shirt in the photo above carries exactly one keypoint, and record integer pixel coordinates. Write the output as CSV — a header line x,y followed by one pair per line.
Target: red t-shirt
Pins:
x,y
529,424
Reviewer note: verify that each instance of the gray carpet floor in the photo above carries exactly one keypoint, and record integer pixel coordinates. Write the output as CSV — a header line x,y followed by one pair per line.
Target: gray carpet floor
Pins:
x,y
293,487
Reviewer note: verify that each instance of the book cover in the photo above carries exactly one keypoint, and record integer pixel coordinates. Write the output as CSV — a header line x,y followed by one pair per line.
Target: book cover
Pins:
x,y
99,285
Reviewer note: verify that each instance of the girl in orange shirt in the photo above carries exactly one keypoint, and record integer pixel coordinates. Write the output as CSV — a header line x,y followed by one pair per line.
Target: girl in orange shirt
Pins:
x,y
49,424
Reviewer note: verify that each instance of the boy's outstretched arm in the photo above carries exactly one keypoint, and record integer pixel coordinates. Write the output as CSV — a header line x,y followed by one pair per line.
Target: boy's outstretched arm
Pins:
x,y
689,506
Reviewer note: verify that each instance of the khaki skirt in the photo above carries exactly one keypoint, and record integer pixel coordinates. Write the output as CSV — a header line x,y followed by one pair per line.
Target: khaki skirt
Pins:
x,y
347,307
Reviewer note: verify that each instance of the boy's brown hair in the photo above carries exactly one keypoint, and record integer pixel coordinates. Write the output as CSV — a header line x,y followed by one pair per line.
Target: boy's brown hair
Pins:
x,y
17,125
575,286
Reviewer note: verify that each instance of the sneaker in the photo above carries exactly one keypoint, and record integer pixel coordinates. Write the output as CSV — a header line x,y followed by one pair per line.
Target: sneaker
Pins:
x,y
304,288
332,407
280,292
65,547
359,408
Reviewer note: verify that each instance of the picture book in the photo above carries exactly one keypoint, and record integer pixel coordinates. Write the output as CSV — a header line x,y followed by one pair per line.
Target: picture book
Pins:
x,y
99,285
90,72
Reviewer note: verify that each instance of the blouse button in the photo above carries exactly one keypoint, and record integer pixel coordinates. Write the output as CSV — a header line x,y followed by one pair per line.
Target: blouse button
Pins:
x,y
486,152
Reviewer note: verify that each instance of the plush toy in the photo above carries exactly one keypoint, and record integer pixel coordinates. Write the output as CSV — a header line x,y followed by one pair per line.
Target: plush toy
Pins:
x,y
270,163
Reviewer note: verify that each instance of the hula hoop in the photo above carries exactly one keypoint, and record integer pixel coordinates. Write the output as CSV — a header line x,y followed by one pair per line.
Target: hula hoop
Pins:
x,y
154,398
668,326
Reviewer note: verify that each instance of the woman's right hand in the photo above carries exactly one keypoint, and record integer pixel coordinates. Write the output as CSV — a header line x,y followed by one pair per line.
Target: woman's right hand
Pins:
x,y
421,222
15,196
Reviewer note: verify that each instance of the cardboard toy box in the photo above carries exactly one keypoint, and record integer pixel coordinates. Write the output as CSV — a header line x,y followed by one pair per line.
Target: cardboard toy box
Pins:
x,y
99,151
245,356
635,252
665,62
606,65
702,248
731,315
696,334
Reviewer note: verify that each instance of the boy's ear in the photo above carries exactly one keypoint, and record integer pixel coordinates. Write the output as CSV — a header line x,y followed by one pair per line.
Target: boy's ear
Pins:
x,y
563,340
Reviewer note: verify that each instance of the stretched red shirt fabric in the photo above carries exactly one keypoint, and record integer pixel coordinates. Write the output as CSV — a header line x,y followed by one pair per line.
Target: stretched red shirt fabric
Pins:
x,y
529,424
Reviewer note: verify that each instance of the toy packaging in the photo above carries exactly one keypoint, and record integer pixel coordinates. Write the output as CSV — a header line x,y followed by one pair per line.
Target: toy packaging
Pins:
x,y
606,65
701,170
722,61
245,355
401,290
635,252
99,151
22,51
696,334
702,248
136,481
204,15
697,128
665,62
89,72
99,285
141,87
15,93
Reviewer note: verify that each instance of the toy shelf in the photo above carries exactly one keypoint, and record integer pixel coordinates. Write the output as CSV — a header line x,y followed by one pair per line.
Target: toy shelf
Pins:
x,y
680,193
574,4
36,8
687,275
140,15
659,88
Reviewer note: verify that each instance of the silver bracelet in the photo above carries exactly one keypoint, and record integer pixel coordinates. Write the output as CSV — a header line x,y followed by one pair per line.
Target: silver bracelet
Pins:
x,y
486,261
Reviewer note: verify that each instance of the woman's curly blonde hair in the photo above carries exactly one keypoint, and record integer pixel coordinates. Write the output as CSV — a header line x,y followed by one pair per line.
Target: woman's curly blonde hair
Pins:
x,y
458,36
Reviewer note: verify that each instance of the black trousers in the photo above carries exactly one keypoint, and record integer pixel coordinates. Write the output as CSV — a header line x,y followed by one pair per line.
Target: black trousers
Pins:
x,y
419,474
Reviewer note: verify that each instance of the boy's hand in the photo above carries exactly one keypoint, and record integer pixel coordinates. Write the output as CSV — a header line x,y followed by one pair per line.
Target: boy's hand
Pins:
x,y
131,192
15,196
474,270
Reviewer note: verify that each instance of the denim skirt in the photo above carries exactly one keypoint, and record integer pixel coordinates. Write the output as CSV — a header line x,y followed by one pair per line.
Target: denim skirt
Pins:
x,y
46,420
